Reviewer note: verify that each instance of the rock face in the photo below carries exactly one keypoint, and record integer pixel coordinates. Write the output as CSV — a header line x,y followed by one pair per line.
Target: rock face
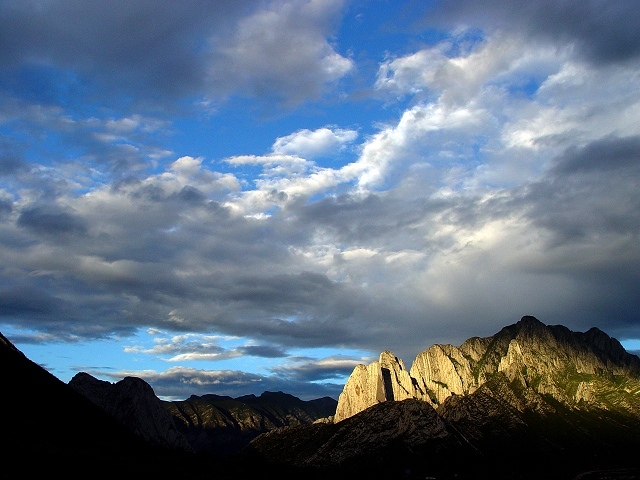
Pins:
x,y
571,367
384,380
375,438
532,401
442,371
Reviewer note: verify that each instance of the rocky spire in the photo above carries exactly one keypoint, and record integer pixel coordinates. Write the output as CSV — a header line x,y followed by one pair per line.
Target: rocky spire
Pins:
x,y
383,380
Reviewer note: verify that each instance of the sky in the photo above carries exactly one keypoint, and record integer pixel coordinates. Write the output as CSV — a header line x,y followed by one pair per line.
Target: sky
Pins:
x,y
236,197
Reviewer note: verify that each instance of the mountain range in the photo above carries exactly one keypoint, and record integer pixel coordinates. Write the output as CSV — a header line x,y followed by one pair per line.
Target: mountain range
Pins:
x,y
212,424
531,401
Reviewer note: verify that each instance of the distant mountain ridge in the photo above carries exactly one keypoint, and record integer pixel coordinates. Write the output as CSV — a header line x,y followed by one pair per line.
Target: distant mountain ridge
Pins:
x,y
49,428
223,425
134,404
214,424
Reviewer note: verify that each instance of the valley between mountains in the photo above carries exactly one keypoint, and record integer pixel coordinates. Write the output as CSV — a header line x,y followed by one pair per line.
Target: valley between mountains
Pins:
x,y
531,401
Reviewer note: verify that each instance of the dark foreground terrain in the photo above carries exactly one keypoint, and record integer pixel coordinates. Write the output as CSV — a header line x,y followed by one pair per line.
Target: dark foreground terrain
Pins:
x,y
504,430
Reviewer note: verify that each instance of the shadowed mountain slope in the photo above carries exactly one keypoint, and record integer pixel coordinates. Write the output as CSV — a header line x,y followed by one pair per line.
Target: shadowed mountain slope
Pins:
x,y
49,429
223,425
213,424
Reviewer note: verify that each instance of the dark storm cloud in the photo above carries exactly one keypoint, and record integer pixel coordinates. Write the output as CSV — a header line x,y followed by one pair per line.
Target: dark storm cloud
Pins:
x,y
191,194
6,207
142,252
607,154
51,220
28,301
264,351
382,218
12,161
39,302
586,211
309,325
282,289
162,51
591,191
604,31
150,44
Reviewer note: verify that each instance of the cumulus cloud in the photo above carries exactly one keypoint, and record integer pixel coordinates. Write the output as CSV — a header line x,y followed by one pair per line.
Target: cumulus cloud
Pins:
x,y
289,172
454,77
156,48
497,179
281,51
602,31
311,144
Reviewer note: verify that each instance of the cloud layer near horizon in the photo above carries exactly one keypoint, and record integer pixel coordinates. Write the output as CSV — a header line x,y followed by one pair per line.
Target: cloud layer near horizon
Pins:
x,y
505,185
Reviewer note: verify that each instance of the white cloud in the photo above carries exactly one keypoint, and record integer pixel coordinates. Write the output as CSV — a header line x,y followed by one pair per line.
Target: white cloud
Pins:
x,y
281,51
424,134
520,103
454,79
271,160
314,143
188,171
383,157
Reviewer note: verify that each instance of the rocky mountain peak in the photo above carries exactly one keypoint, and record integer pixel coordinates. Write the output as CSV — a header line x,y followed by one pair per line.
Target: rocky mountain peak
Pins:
x,y
132,401
570,367
531,321
605,344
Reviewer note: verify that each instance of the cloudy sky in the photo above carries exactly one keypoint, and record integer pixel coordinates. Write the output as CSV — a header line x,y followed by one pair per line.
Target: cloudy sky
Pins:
x,y
231,197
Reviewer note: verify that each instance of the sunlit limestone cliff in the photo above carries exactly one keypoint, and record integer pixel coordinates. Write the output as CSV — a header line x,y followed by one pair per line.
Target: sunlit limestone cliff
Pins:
x,y
383,380
571,367
531,401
